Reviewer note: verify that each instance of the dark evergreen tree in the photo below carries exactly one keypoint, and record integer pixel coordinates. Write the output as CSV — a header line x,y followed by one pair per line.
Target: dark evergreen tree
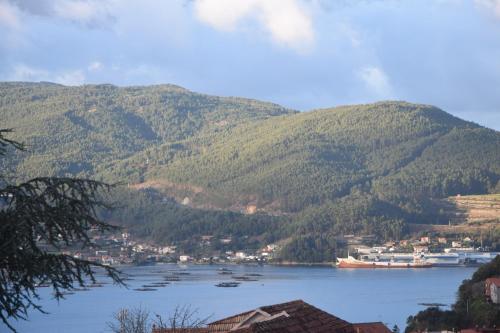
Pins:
x,y
37,218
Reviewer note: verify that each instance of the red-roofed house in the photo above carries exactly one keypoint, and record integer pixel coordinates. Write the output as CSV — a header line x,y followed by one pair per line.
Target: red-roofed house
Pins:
x,y
492,289
376,327
291,317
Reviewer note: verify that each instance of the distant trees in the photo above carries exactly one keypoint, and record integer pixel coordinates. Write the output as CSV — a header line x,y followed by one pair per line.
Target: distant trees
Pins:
x,y
37,218
471,308
312,248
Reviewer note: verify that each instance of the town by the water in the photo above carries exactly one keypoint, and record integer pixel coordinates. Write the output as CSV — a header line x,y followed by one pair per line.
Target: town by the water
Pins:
x,y
422,252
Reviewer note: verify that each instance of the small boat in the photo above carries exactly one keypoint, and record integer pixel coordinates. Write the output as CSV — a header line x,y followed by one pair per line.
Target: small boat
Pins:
x,y
227,284
351,262
225,271
434,305
145,289
160,284
243,278
171,278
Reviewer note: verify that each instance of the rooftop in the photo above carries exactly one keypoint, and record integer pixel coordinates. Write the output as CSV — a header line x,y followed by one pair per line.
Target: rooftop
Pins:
x,y
290,317
493,280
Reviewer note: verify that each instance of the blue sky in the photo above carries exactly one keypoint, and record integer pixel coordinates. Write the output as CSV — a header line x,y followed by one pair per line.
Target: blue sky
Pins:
x,y
303,54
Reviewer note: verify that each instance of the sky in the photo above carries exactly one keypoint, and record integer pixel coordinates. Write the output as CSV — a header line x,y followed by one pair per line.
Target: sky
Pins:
x,y
303,54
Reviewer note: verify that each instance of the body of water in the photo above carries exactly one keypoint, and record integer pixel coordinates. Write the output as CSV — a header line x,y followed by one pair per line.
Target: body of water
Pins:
x,y
356,295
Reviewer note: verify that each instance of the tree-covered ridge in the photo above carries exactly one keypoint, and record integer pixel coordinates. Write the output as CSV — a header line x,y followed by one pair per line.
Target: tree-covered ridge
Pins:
x,y
81,130
388,149
471,309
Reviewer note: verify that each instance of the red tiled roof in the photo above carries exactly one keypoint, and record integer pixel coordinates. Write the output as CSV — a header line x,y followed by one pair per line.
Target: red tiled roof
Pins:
x,y
375,327
291,317
302,317
228,323
493,280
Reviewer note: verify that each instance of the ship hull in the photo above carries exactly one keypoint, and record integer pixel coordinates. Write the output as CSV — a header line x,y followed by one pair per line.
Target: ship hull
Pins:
x,y
353,263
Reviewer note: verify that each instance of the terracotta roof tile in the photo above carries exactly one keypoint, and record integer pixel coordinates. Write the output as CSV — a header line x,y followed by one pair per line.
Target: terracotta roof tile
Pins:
x,y
303,317
376,327
291,317
494,280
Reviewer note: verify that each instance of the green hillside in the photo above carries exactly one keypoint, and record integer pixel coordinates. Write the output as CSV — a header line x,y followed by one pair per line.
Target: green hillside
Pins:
x,y
351,169
84,130
393,150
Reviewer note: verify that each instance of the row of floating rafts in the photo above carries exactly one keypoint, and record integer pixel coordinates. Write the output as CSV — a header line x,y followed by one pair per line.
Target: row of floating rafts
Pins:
x,y
225,271
83,288
228,284
153,286
167,279
239,278
75,289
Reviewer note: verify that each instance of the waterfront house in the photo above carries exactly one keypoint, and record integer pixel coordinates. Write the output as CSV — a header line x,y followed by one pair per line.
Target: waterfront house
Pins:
x,y
240,255
296,316
184,258
492,289
425,240
442,240
420,249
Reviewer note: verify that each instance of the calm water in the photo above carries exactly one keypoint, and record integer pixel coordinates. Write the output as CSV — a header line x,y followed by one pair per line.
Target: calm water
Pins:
x,y
359,295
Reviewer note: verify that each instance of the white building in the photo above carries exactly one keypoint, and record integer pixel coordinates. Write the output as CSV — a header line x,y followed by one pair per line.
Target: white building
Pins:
x,y
240,255
167,249
184,258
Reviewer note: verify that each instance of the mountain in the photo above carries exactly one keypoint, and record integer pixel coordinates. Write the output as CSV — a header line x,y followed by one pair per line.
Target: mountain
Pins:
x,y
352,169
289,163
84,130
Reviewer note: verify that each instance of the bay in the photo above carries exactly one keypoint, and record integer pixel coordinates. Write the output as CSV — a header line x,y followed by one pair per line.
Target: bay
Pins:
x,y
356,295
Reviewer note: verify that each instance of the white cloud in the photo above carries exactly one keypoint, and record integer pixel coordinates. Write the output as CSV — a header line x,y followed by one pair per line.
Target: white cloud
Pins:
x,y
377,81
492,6
9,16
95,66
287,22
22,72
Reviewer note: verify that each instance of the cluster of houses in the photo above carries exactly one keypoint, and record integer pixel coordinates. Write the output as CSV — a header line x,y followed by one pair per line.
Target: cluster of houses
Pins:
x,y
121,249
262,255
418,245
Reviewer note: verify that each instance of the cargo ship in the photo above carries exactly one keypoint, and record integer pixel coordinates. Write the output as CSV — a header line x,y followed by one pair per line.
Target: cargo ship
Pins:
x,y
351,262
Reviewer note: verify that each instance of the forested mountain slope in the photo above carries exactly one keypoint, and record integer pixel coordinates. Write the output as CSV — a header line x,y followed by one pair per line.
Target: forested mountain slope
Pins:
x,y
397,151
83,130
365,168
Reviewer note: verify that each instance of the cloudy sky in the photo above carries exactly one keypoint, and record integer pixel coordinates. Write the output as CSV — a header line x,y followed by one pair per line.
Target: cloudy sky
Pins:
x,y
303,54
